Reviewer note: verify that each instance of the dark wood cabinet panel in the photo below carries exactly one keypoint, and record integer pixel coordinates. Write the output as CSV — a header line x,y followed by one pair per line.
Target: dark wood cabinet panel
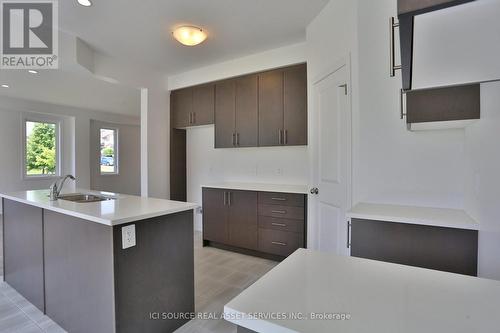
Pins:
x,y
295,105
203,105
178,165
443,104
242,219
23,250
444,249
271,108
281,211
285,199
267,222
278,242
225,92
423,6
182,107
246,108
215,215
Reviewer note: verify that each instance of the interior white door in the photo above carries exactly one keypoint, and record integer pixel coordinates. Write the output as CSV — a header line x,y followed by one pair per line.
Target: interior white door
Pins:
x,y
331,162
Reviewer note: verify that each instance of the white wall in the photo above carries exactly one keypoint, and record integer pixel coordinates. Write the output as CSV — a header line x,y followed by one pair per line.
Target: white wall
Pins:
x,y
207,165
394,165
483,179
76,141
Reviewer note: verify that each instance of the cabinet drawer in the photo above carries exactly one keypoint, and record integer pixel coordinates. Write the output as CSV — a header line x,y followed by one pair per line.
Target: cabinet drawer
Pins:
x,y
267,222
278,242
281,211
284,199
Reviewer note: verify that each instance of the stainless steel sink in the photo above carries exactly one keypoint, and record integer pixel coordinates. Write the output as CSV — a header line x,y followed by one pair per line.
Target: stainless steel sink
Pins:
x,y
83,198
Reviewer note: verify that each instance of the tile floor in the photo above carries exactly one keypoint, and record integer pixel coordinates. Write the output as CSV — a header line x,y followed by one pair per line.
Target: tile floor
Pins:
x,y
219,276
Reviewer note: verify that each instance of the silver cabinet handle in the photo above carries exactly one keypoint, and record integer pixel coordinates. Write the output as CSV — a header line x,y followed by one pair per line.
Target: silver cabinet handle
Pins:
x,y
279,211
279,224
233,140
285,137
279,199
401,103
348,234
225,199
237,138
279,137
229,198
393,67
278,243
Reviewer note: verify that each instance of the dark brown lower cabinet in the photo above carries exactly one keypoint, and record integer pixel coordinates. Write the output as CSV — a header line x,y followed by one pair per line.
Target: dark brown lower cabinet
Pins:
x,y
269,224
445,249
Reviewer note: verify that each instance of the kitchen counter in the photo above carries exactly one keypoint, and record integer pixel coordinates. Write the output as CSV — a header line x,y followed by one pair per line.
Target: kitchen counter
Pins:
x,y
438,217
122,209
369,296
261,187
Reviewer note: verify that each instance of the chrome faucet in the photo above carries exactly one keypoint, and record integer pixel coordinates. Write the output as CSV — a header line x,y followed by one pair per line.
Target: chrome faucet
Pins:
x,y
55,189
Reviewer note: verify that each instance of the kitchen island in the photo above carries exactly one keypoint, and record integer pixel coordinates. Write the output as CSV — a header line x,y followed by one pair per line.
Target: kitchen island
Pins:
x,y
117,263
322,292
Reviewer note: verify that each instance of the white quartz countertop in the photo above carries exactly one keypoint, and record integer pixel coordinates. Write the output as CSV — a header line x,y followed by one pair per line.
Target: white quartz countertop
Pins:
x,y
261,187
375,296
439,217
123,209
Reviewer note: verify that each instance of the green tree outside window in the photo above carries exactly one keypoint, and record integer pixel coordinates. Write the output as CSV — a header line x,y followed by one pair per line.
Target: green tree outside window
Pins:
x,y
41,149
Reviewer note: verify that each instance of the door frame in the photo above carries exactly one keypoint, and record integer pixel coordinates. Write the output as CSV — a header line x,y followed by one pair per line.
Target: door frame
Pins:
x,y
312,224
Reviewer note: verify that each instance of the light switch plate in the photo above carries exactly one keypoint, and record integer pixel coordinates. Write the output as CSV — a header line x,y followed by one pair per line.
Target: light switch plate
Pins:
x,y
128,236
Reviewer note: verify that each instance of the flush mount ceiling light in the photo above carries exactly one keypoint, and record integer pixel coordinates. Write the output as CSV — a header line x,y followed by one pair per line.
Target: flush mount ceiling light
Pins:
x,y
32,71
85,3
4,85
189,35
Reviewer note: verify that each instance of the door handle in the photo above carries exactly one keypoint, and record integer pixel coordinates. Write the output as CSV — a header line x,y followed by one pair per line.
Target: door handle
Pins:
x,y
348,234
314,190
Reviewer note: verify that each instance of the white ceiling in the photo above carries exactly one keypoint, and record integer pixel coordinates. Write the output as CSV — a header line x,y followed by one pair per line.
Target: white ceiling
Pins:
x,y
140,31
71,89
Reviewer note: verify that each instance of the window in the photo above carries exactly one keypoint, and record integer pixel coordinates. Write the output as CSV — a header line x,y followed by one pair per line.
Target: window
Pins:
x,y
109,150
41,157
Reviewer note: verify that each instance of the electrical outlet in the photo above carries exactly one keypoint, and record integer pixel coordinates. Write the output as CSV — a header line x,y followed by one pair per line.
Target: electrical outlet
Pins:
x,y
279,172
128,236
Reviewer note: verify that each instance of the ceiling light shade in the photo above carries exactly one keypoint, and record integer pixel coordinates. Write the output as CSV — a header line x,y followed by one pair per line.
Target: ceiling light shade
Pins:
x,y
5,86
189,35
32,71
85,3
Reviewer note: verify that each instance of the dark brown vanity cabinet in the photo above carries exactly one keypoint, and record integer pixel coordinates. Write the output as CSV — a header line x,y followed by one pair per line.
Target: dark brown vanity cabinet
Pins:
x,y
266,223
283,107
193,106
230,217
236,112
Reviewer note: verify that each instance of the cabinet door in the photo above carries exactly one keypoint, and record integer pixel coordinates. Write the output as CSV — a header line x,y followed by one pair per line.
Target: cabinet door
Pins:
x,y
214,215
295,105
224,114
182,106
203,105
246,118
242,219
270,108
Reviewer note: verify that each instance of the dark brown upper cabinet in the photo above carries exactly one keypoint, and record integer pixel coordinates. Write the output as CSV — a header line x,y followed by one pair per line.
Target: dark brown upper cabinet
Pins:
x,y
236,114
446,107
407,10
283,107
193,106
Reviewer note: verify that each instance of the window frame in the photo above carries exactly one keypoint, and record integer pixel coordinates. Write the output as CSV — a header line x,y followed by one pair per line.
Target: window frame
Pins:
x,y
116,150
41,118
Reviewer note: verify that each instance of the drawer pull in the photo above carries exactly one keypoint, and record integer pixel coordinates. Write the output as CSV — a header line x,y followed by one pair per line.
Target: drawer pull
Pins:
x,y
279,199
279,211
279,224
279,243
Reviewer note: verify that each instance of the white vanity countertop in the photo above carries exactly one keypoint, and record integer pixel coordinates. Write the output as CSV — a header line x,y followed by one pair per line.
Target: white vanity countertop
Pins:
x,y
124,209
439,217
261,187
379,297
